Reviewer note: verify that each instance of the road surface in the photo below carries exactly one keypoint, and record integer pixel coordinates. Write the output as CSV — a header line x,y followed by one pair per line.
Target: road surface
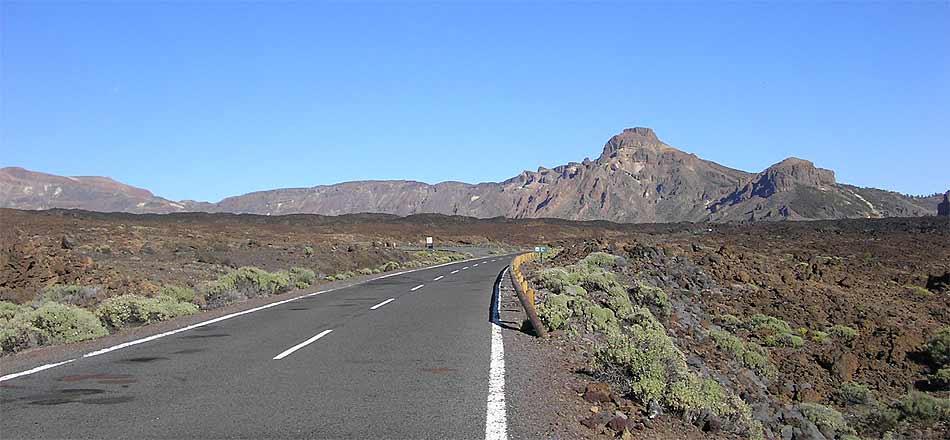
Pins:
x,y
406,356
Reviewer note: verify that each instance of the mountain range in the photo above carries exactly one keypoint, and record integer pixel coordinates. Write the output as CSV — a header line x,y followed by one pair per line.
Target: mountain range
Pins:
x,y
636,179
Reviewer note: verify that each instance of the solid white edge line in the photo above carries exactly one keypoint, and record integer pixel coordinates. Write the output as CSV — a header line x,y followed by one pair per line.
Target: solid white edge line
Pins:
x,y
34,370
438,278
496,424
416,288
382,303
303,344
212,321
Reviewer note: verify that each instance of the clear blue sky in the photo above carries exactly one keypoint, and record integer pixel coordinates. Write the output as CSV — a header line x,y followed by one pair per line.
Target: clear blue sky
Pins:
x,y
206,100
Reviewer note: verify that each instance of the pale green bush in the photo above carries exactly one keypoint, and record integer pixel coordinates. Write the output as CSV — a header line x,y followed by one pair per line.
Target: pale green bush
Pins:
x,y
120,311
180,294
939,347
302,278
68,294
245,282
826,419
50,323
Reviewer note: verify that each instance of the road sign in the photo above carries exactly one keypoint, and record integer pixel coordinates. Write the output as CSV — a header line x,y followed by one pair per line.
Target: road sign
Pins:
x,y
429,242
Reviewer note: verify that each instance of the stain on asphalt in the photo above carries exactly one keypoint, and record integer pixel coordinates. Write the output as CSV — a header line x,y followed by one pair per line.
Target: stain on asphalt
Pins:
x,y
51,401
144,359
439,370
108,400
299,308
206,328
190,351
213,335
95,376
81,391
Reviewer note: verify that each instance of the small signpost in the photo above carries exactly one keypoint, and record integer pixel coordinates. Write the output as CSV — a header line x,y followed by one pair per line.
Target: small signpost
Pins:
x,y
541,250
428,242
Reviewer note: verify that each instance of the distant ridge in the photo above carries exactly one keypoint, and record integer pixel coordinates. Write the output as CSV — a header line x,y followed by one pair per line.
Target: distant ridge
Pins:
x,y
636,179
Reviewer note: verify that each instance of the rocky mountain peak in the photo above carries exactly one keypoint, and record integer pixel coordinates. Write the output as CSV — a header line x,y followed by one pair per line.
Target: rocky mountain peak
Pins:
x,y
793,171
632,139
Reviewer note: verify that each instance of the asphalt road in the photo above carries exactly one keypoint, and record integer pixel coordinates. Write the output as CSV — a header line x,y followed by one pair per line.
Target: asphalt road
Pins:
x,y
414,367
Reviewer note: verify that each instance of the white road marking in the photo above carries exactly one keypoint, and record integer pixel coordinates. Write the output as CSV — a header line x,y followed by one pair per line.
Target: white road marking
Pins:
x,y
465,268
438,278
212,321
496,424
382,303
455,271
303,344
200,324
34,370
475,265
416,288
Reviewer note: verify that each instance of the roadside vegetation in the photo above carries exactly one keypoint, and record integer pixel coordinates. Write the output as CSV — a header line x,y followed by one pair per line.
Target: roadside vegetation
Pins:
x,y
66,313
632,342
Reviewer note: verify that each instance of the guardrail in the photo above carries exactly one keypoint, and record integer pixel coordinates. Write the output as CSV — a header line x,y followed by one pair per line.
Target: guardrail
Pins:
x,y
525,293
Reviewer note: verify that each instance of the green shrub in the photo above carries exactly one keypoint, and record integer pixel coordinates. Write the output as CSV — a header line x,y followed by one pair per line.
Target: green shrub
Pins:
x,y
942,376
555,279
8,309
596,318
50,323
843,331
939,347
730,321
600,259
920,406
365,271
180,294
819,336
917,290
555,311
67,294
748,354
308,251
246,282
388,266
302,278
855,393
654,298
17,335
760,322
120,311
828,420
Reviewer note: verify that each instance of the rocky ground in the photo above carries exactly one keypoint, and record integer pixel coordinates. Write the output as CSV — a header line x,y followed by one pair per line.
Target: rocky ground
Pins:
x,y
842,311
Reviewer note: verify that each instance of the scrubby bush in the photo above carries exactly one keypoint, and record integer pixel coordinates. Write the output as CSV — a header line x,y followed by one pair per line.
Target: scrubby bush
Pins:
x,y
818,336
942,376
180,294
302,278
50,323
67,294
729,321
600,259
828,420
654,298
921,406
120,311
246,282
365,271
555,310
843,332
388,266
855,393
308,251
748,353
8,309
939,347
